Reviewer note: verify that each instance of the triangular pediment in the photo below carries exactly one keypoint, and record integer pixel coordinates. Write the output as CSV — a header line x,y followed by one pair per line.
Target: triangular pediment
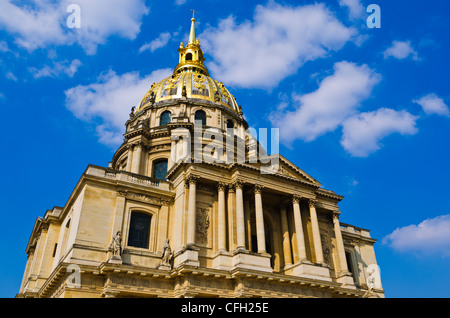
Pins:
x,y
288,169
282,167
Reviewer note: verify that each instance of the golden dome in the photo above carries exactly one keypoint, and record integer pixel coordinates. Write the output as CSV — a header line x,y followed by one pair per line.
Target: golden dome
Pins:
x,y
190,80
192,86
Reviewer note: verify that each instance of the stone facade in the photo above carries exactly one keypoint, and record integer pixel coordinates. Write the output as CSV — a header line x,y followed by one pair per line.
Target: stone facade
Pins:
x,y
219,228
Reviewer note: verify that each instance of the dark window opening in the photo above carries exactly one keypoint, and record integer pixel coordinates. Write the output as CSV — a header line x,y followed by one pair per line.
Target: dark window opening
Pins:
x,y
348,257
54,249
201,116
139,234
165,118
254,245
189,57
160,169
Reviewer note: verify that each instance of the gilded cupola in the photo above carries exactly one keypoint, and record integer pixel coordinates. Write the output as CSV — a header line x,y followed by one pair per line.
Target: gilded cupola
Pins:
x,y
190,80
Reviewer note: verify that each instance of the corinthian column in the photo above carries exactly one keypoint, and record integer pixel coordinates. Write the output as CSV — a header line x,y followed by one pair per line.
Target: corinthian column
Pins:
x,y
339,243
191,210
300,238
240,221
286,240
137,157
129,158
222,218
316,232
260,233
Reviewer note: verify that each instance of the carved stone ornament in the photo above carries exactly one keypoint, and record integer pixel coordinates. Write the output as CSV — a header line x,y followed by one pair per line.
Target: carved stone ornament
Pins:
x,y
325,249
202,225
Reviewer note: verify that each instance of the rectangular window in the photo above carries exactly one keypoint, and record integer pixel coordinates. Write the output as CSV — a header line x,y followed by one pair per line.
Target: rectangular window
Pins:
x,y
139,234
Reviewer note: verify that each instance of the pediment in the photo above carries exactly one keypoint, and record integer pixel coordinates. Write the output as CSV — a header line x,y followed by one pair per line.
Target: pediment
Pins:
x,y
286,168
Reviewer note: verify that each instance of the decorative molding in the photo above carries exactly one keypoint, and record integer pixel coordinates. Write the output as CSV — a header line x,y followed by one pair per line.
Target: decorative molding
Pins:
x,y
121,192
146,198
150,182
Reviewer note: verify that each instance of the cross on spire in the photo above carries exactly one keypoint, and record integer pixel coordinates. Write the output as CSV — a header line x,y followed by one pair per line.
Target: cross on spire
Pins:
x,y
193,13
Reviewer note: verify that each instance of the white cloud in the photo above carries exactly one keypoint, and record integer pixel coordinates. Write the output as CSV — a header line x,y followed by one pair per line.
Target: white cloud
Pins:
x,y
180,2
43,23
356,9
4,47
362,133
401,50
324,110
279,40
10,75
57,69
432,104
157,43
107,102
432,236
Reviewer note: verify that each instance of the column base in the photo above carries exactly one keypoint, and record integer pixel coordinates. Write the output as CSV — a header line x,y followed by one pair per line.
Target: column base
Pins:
x,y
223,260
346,279
187,256
243,259
308,270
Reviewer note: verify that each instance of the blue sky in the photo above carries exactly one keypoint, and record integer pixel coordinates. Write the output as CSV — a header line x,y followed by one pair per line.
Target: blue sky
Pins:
x,y
364,111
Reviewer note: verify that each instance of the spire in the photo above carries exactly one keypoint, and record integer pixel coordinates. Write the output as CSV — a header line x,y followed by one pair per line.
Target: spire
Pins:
x,y
192,34
191,56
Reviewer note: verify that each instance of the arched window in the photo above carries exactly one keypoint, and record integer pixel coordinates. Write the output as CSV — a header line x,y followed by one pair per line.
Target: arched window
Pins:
x,y
165,118
230,124
139,234
200,115
160,169
189,57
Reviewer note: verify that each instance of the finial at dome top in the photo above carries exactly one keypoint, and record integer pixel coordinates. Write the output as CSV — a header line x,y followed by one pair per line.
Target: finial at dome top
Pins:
x,y
192,34
191,56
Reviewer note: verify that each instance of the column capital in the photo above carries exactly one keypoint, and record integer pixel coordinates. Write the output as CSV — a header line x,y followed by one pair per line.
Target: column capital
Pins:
x,y
238,184
222,186
258,188
335,215
192,179
313,203
296,199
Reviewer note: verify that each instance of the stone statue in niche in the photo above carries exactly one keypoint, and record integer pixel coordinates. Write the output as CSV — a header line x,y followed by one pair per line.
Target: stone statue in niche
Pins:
x,y
116,248
166,257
